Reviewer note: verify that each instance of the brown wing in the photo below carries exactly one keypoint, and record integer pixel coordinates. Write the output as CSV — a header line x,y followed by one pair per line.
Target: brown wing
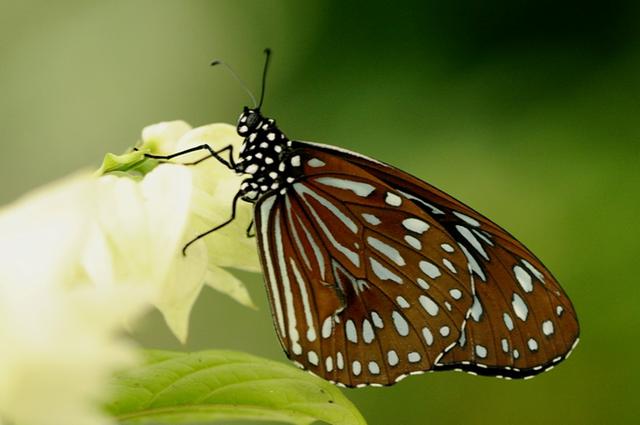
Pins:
x,y
521,322
365,286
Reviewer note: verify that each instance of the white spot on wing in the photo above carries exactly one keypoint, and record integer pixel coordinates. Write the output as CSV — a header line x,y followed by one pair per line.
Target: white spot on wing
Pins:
x,y
392,358
361,189
475,243
533,270
507,321
313,358
350,330
469,220
474,267
328,363
519,307
484,236
456,294
523,278
427,335
505,345
423,283
327,327
389,251
476,309
374,368
367,331
356,368
402,302
377,320
371,219
415,225
393,199
401,325
429,305
448,264
413,357
382,272
413,241
463,339
315,163
547,327
429,269
446,247
481,351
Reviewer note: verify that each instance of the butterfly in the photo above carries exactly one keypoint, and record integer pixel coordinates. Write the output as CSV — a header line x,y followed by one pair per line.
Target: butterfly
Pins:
x,y
373,274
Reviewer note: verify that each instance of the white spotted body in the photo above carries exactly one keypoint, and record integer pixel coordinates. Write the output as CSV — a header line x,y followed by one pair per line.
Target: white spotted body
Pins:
x,y
265,155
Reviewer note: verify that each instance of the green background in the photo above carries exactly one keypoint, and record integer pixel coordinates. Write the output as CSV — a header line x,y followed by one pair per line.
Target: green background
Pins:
x,y
527,110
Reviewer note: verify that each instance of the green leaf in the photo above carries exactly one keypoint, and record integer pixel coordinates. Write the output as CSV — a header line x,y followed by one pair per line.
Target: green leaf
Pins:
x,y
133,163
177,388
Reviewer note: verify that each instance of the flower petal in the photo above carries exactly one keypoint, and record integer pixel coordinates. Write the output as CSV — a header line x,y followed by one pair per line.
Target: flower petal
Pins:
x,y
162,138
215,186
61,333
223,281
45,228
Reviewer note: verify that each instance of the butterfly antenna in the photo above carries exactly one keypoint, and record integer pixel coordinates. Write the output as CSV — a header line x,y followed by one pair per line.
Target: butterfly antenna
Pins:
x,y
235,75
267,53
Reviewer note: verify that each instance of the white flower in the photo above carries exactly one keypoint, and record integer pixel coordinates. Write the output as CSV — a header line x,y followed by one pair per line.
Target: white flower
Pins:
x,y
180,202
84,256
59,346
214,189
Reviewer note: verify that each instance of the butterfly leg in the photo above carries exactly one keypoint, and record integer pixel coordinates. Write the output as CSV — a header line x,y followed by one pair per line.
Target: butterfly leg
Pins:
x,y
218,227
249,229
229,163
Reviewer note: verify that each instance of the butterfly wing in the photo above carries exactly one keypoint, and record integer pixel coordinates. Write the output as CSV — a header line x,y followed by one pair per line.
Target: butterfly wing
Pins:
x,y
363,283
521,322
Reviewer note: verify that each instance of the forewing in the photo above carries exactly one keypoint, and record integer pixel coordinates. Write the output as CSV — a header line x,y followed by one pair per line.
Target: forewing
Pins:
x,y
362,283
521,322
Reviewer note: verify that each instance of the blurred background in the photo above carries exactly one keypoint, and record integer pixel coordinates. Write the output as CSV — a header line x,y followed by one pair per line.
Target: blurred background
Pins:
x,y
529,111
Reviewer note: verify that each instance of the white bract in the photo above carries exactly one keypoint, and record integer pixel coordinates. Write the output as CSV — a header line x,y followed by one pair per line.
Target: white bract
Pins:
x,y
60,345
214,187
84,256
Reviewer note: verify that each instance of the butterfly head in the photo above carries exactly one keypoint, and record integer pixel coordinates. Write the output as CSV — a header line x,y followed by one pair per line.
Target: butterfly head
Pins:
x,y
249,121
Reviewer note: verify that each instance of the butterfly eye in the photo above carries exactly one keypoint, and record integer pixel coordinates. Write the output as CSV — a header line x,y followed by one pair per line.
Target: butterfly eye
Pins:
x,y
252,120
248,122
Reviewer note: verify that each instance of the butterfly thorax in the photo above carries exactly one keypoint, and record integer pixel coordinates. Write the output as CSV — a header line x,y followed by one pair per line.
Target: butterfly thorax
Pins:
x,y
264,155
